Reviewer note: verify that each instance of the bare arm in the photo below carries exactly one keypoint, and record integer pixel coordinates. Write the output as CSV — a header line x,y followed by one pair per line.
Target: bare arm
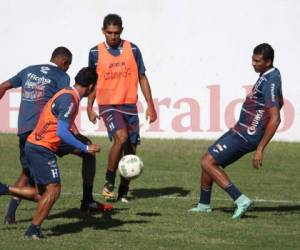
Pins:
x,y
4,87
269,133
91,113
146,90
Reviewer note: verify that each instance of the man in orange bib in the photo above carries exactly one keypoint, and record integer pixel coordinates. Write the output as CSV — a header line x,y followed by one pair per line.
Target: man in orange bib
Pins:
x,y
119,65
53,127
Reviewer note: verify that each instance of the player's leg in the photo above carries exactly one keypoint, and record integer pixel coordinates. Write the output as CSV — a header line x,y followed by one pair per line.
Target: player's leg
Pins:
x,y
117,131
119,138
49,194
43,166
229,148
21,182
130,146
88,204
27,193
206,183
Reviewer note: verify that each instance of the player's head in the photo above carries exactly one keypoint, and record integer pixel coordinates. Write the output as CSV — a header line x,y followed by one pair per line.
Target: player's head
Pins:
x,y
112,29
262,58
62,57
86,78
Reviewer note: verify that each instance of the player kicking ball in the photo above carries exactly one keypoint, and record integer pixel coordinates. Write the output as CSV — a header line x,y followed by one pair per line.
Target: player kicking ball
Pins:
x,y
53,127
258,122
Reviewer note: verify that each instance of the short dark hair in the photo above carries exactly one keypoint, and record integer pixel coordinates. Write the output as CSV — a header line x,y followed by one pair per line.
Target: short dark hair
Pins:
x,y
86,76
62,51
112,19
265,50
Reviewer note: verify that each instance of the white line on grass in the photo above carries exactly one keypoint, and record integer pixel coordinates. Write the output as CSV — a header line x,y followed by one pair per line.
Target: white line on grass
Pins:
x,y
195,198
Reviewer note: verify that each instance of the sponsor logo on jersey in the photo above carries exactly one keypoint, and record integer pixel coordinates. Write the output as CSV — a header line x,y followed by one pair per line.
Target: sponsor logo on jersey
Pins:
x,y
257,118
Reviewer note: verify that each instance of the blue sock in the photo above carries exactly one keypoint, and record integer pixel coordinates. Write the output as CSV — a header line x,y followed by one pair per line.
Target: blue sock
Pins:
x,y
233,191
12,208
205,195
4,189
87,195
110,177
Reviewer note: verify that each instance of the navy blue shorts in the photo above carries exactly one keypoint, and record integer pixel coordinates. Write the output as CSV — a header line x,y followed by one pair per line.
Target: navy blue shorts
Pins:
x,y
22,142
229,148
118,117
43,164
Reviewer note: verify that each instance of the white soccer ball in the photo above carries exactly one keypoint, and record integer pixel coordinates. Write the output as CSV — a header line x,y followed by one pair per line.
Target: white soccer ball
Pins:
x,y
130,166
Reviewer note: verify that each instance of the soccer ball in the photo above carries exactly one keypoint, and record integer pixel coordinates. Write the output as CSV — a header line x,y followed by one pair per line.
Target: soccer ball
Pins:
x,y
130,166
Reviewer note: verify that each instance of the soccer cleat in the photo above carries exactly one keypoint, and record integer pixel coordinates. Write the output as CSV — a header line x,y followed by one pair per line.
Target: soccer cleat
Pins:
x,y
108,191
204,208
95,206
9,220
243,204
34,234
123,199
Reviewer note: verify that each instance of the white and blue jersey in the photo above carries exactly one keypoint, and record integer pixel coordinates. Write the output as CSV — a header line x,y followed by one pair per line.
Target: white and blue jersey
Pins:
x,y
254,116
94,55
39,83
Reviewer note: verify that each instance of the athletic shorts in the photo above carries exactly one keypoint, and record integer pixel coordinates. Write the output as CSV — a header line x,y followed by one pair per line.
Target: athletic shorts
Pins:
x,y
229,148
118,117
42,164
22,142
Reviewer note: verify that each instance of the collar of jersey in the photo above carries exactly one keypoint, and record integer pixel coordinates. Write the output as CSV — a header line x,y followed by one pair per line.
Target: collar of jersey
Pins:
x,y
268,71
53,64
120,47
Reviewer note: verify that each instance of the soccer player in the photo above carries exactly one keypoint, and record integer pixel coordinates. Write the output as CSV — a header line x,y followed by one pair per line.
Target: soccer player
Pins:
x,y
53,126
258,122
120,67
39,83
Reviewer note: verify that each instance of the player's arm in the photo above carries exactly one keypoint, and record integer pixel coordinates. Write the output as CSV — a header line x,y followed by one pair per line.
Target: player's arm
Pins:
x,y
93,59
64,109
14,82
144,84
146,90
269,133
93,116
64,133
4,87
273,99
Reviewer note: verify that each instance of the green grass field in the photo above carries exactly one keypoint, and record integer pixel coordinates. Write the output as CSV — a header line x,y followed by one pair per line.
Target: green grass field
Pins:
x,y
158,217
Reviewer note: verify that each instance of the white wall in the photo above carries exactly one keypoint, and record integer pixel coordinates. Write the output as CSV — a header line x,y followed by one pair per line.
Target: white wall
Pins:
x,y
186,45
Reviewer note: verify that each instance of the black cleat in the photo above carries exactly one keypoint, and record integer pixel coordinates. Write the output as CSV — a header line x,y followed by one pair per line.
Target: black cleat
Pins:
x,y
35,235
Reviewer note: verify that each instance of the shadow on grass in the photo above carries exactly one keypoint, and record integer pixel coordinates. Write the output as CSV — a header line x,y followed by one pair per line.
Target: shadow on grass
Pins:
x,y
279,210
104,222
156,192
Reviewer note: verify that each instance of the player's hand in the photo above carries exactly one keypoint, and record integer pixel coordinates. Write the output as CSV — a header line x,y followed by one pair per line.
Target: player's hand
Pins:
x,y
257,159
93,116
93,148
151,114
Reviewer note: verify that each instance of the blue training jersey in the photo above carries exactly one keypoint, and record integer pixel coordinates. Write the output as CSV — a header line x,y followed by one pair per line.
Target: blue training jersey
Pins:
x,y
254,116
64,107
39,83
94,54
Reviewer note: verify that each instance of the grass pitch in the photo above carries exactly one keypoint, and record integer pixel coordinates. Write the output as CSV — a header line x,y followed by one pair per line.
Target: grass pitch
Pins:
x,y
158,217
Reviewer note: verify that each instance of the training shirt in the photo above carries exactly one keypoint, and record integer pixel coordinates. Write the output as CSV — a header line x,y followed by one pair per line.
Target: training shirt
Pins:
x,y
55,121
254,116
94,54
39,83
